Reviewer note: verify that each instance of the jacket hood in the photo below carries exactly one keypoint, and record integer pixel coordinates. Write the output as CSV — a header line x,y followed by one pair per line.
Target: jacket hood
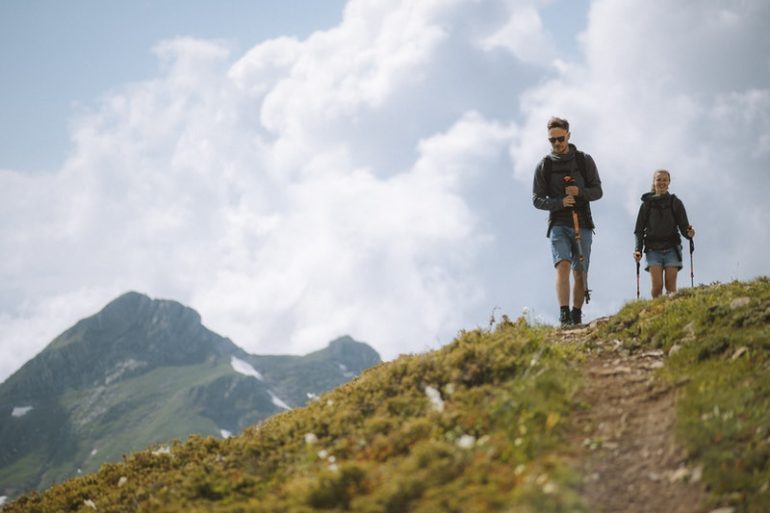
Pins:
x,y
650,196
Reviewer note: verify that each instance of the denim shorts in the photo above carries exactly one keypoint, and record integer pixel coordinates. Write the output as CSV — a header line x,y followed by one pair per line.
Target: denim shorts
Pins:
x,y
663,258
563,246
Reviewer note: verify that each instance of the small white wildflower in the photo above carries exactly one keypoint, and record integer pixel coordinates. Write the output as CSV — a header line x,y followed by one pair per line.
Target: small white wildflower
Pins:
x,y
323,454
435,398
466,442
329,402
450,388
333,467
549,488
518,442
89,503
519,470
310,438
122,481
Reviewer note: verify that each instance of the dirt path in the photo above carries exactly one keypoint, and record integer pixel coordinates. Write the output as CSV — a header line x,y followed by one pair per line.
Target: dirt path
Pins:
x,y
628,457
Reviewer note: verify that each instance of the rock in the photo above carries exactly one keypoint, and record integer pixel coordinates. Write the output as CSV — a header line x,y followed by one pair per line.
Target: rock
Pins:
x,y
740,352
697,474
689,331
739,302
679,474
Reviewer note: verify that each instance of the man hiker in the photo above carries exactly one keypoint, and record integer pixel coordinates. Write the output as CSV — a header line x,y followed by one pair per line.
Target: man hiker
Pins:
x,y
565,182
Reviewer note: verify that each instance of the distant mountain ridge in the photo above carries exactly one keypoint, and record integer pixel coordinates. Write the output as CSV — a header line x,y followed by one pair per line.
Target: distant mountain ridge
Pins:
x,y
145,371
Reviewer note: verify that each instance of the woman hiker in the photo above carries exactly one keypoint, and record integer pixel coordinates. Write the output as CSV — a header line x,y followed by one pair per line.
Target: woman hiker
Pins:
x,y
661,218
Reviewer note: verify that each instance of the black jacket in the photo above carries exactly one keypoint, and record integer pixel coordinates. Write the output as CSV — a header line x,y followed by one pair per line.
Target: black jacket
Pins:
x,y
549,196
658,220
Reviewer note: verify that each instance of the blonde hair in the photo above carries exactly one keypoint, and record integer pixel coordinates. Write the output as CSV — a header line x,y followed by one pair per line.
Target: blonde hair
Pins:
x,y
656,174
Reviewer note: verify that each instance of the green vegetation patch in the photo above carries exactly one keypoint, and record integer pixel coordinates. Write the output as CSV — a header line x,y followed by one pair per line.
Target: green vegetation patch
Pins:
x,y
718,342
476,426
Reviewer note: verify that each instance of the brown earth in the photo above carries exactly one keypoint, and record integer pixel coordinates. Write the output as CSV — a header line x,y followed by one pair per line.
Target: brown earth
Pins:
x,y
627,454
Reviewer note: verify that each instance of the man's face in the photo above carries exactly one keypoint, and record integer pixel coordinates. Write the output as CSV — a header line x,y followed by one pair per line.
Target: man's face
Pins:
x,y
559,139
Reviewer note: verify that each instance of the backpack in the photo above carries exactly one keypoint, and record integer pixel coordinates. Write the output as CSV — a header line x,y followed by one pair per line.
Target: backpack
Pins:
x,y
665,223
580,159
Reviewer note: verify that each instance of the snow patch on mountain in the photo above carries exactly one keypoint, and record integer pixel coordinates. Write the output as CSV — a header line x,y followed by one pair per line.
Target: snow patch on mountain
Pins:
x,y
245,368
20,411
345,371
278,402
121,368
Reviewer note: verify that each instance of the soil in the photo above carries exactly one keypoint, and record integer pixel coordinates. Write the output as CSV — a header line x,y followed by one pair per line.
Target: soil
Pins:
x,y
627,454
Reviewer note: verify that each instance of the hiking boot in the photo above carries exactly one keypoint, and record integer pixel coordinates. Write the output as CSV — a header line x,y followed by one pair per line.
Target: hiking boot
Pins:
x,y
577,316
564,317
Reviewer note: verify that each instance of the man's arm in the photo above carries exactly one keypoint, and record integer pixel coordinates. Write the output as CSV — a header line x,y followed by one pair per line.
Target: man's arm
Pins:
x,y
540,196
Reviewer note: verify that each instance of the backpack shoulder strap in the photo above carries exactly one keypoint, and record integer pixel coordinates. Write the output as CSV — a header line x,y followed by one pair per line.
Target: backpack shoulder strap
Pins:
x,y
580,158
547,170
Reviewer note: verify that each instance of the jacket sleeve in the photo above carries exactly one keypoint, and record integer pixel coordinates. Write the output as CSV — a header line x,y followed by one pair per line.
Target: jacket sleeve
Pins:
x,y
593,188
640,228
540,193
680,214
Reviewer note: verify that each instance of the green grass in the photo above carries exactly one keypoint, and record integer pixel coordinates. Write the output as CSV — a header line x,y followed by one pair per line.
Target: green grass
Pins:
x,y
718,339
377,444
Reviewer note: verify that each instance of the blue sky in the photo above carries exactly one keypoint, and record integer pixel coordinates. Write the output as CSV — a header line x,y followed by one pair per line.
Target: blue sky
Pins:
x,y
61,56
363,167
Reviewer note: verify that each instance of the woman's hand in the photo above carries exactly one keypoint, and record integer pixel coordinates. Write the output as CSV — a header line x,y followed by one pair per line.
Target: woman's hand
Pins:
x,y
637,255
690,232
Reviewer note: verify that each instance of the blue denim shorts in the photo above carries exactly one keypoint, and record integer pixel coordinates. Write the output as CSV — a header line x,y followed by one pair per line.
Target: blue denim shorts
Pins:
x,y
663,258
563,246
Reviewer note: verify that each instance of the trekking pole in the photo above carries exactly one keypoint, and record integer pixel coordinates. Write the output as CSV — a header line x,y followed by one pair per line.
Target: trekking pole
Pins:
x,y
637,277
568,180
692,270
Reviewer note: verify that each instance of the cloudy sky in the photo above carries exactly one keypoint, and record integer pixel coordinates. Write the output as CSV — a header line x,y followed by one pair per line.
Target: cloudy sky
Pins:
x,y
296,171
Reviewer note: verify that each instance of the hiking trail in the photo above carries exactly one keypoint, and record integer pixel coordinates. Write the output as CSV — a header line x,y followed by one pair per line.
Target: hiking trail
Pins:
x,y
624,438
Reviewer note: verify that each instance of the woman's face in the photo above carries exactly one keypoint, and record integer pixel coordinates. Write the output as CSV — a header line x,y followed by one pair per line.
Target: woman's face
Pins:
x,y
660,181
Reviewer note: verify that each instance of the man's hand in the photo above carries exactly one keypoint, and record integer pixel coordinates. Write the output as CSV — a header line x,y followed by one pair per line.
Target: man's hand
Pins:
x,y
572,190
568,201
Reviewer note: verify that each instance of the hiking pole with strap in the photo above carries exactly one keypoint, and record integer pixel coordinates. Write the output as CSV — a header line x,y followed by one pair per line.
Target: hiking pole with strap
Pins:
x,y
568,180
692,270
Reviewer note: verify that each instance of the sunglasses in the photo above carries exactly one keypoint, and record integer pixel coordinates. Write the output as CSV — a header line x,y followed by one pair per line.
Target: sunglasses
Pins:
x,y
554,139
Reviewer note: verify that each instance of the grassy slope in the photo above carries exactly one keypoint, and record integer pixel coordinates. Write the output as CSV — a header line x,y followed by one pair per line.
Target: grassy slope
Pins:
x,y
720,337
378,444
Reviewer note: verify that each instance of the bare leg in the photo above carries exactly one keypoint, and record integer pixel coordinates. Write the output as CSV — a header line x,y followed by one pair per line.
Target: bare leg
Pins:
x,y
562,282
578,289
656,276
671,273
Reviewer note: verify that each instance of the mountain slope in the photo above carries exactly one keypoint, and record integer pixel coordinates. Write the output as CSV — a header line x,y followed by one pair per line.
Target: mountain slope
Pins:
x,y
498,420
145,371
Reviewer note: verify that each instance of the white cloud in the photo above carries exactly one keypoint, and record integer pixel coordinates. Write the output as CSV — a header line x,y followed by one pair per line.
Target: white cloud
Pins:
x,y
374,178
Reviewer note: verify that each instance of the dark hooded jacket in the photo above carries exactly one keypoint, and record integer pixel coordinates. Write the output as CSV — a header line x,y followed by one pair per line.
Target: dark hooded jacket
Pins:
x,y
548,192
660,221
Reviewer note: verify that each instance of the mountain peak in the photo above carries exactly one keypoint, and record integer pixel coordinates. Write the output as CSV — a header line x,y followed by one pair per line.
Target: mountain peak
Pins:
x,y
131,328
